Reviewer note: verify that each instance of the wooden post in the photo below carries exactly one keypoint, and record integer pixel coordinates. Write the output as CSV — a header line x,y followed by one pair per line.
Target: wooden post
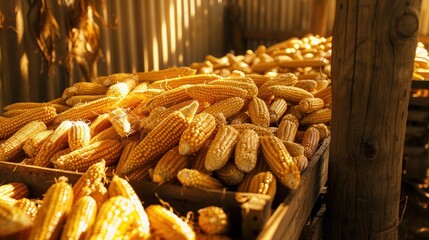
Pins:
x,y
373,51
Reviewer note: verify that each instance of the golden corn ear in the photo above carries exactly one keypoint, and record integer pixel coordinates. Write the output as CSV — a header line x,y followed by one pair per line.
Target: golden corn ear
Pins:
x,y
241,117
199,130
32,145
168,225
280,161
294,110
84,88
80,99
9,126
276,109
261,131
56,205
79,135
197,179
246,150
308,105
230,175
13,145
301,161
116,78
142,174
120,122
287,130
287,79
258,112
81,159
161,139
12,220
125,153
213,220
323,130
28,206
252,89
120,187
113,218
169,165
320,116
99,124
221,148
80,219
310,141
258,79
295,149
7,200
325,95
121,89
228,107
289,93
168,99
263,183
24,105
14,190
306,84
261,166
109,133
165,74
200,156
214,93
183,80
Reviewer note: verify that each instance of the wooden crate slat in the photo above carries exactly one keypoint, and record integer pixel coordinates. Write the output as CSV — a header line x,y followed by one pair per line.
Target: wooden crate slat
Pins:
x,y
420,84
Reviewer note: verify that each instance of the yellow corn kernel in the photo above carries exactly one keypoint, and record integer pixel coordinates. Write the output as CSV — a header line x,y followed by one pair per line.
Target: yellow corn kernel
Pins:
x,y
14,190
56,142
198,131
87,110
161,139
168,98
276,109
280,161
99,124
263,183
80,219
7,200
98,191
258,79
180,81
325,94
310,141
289,93
246,150
121,89
200,156
294,149
80,99
242,117
228,107
251,88
323,130
81,159
79,135
287,79
320,116
221,148
230,175
194,178
56,205
143,173
28,206
169,165
13,145
94,175
32,145
301,161
84,88
306,84
106,134
117,78
120,187
258,112
120,122
24,105
261,166
9,126
125,153
140,87
13,220
287,130
130,101
261,131
213,220
59,154
308,105
167,225
173,72
214,93
113,218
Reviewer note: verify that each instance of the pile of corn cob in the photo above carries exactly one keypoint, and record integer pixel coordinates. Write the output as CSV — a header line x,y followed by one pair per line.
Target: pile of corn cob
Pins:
x,y
93,209
240,122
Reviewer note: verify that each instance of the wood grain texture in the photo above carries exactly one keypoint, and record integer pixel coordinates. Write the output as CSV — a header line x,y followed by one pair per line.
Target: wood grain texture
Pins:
x,y
373,51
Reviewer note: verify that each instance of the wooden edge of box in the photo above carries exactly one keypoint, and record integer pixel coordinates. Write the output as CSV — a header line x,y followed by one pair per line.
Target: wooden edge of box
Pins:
x,y
290,216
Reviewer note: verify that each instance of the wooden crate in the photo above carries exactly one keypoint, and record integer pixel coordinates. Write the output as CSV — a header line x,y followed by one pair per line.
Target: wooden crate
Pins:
x,y
251,214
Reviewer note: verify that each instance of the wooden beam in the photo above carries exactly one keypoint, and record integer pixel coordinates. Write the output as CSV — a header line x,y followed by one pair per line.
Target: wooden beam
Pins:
x,y
373,51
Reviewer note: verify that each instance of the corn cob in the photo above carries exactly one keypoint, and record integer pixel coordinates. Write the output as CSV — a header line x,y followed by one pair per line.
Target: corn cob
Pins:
x,y
213,220
310,141
320,116
289,93
287,130
263,183
280,162
228,107
125,153
252,89
294,149
230,175
261,131
28,206
323,130
87,110
80,219
25,105
94,175
246,150
98,191
56,205
13,145
214,93
198,131
276,109
180,81
301,161
194,178
131,101
120,122
200,156
16,112
13,220
258,79
145,97
14,190
307,84
169,165
79,99
121,89
108,133
113,218
165,74
168,98
79,135
56,142
314,62
7,200
84,88
59,100
99,124
117,78
264,66
261,166
308,105
258,112
167,225
241,117
121,187
81,159
325,94
9,126
287,79
161,139
143,173
59,154
221,148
